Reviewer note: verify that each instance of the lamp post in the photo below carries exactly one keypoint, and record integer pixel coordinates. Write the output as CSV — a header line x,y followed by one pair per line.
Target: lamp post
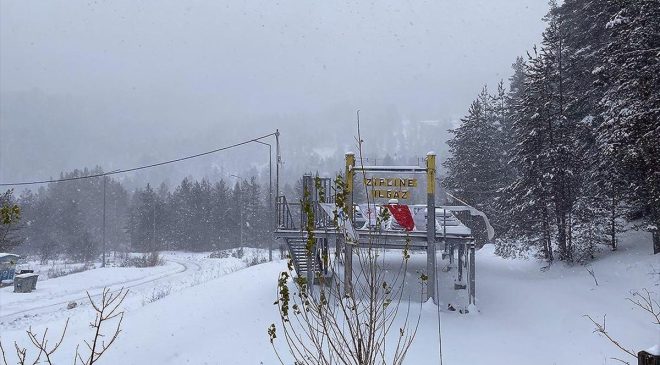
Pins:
x,y
270,197
240,207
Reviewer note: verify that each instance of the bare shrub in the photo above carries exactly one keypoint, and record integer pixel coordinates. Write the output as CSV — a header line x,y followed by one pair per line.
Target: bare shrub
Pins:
x,y
150,259
329,325
59,271
255,260
643,301
238,253
158,294
219,254
107,310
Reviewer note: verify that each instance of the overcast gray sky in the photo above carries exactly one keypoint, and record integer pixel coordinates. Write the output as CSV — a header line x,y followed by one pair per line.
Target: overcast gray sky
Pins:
x,y
190,66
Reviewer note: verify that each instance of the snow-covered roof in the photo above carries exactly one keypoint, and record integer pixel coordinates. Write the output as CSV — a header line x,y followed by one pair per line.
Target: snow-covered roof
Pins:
x,y
655,350
25,276
8,256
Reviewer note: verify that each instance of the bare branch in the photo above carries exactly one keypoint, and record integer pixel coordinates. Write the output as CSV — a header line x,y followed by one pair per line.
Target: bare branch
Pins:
x,y
590,270
647,304
600,328
106,310
4,358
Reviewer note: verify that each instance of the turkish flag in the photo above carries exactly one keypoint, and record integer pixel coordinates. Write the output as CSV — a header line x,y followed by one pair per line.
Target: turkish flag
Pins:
x,y
402,215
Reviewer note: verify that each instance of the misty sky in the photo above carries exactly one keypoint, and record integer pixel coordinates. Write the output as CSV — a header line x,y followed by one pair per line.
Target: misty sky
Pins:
x,y
156,73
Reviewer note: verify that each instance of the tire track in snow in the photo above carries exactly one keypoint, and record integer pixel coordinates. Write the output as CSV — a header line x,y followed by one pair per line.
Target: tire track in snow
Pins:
x,y
185,265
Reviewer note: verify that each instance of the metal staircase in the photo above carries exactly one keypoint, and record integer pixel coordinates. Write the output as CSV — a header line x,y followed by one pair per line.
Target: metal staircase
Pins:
x,y
292,218
301,260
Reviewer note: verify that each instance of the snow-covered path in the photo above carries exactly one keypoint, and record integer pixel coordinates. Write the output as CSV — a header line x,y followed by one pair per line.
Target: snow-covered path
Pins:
x,y
55,294
48,302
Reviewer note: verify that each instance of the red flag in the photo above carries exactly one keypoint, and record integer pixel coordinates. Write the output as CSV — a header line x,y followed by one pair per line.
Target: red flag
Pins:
x,y
402,215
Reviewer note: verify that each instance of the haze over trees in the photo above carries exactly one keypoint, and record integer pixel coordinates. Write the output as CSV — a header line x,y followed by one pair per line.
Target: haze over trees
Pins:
x,y
66,218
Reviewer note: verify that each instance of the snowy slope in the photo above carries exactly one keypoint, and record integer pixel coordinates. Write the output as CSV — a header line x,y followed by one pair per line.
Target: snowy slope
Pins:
x,y
525,315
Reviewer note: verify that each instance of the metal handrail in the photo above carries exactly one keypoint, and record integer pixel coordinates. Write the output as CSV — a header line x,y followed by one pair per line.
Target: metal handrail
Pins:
x,y
284,216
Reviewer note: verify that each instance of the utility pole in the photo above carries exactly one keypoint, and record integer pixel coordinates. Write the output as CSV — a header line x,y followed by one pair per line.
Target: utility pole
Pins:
x,y
270,199
153,243
278,160
105,178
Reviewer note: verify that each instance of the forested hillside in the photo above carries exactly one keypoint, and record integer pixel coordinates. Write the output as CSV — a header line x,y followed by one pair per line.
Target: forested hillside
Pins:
x,y
571,150
67,218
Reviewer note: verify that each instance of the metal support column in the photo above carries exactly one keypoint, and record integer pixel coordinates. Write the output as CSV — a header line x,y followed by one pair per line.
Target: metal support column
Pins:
x,y
309,198
430,228
348,246
472,290
459,283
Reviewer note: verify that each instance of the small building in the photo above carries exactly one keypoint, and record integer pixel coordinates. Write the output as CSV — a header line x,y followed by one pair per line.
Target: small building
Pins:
x,y
7,267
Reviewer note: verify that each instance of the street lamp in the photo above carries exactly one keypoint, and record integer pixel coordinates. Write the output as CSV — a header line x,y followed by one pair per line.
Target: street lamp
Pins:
x,y
270,197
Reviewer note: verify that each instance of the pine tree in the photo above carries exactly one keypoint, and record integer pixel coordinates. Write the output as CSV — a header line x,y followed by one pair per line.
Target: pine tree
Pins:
x,y
236,215
629,134
220,210
182,213
598,207
474,166
253,216
526,201
145,221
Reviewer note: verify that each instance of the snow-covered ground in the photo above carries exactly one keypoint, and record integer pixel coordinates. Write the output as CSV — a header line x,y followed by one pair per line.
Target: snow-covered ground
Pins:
x,y
180,270
214,315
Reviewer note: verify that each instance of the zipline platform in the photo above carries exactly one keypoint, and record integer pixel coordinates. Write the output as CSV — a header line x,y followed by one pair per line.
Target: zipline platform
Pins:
x,y
388,239
328,215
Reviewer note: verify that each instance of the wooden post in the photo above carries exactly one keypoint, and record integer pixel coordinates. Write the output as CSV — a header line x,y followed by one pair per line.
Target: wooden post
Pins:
x,y
430,228
348,246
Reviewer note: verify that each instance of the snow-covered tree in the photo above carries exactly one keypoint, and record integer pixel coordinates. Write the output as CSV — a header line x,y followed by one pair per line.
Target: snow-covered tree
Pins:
x,y
629,134
474,162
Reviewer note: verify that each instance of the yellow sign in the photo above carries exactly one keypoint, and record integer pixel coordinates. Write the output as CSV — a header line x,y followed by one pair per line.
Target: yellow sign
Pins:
x,y
384,183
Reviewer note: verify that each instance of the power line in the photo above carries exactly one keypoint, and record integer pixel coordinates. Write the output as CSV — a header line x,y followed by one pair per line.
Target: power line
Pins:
x,y
121,171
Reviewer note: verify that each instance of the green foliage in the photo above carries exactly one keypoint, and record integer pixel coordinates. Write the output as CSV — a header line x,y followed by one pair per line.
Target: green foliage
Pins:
x,y
406,248
272,335
10,216
284,297
309,224
341,197
320,189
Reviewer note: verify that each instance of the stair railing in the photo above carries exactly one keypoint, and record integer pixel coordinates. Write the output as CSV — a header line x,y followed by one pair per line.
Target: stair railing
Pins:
x,y
284,217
